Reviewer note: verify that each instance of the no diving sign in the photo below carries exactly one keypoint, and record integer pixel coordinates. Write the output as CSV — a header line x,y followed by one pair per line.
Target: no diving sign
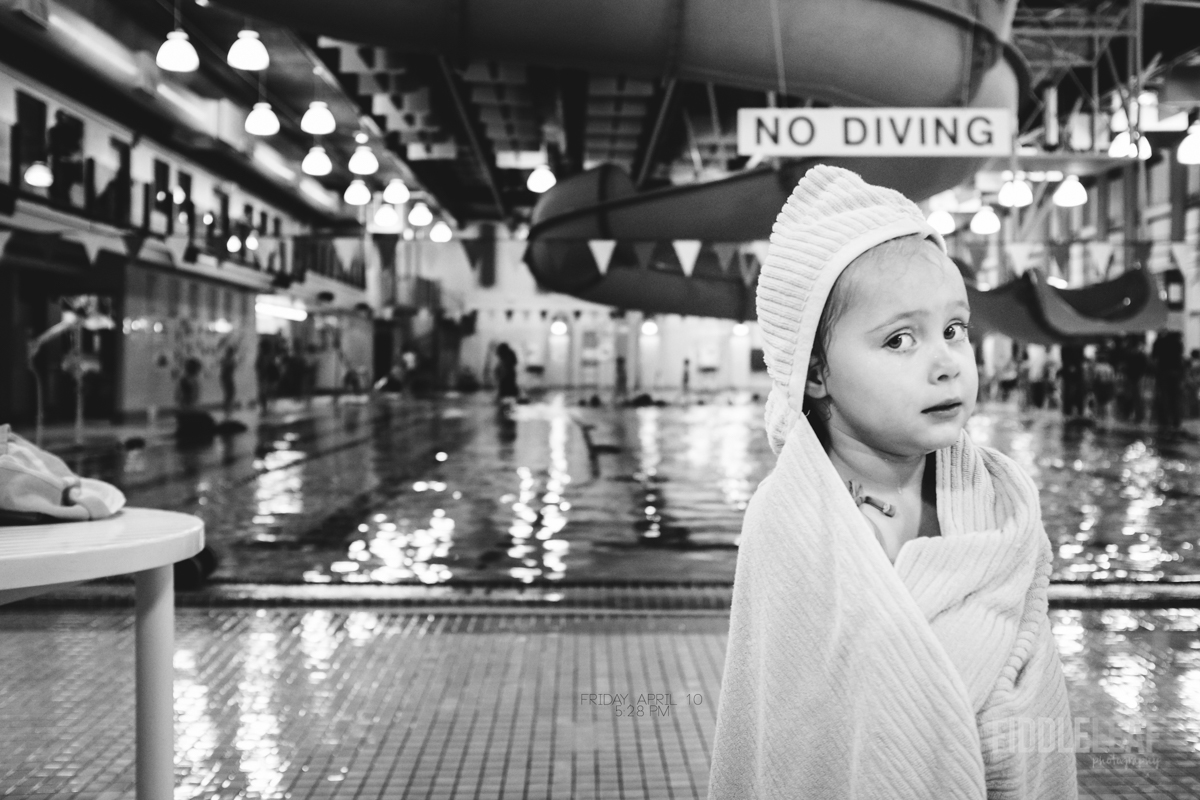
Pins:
x,y
955,132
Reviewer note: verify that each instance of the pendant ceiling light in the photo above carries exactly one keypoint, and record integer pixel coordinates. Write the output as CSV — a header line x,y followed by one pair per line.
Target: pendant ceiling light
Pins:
x,y
440,233
357,193
387,216
396,192
248,53
233,244
541,180
985,222
39,175
942,222
262,121
420,215
1188,151
318,120
177,54
317,162
1015,194
1123,147
1070,193
251,241
363,162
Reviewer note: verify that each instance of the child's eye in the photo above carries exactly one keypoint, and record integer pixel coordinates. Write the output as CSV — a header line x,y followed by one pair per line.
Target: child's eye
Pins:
x,y
896,341
958,332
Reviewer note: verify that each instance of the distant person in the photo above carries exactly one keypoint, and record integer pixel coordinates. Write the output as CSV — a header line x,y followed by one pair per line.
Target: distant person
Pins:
x,y
1192,385
1074,389
227,369
1134,367
267,372
687,374
621,379
506,374
1036,373
1167,357
192,426
1103,383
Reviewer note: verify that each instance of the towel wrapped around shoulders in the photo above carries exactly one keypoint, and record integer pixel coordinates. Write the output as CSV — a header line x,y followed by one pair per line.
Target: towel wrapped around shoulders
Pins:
x,y
847,676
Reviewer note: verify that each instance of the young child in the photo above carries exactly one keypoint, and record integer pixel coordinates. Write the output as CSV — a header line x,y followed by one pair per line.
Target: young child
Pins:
x,y
889,635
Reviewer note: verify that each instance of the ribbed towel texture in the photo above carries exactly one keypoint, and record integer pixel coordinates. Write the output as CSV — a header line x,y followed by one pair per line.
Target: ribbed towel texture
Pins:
x,y
849,677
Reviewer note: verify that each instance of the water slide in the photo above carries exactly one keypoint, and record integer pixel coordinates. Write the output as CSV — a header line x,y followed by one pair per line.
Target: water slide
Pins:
x,y
900,53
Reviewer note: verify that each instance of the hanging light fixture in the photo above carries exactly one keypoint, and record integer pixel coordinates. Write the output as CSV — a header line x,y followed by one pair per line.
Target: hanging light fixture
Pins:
x,y
650,328
1143,148
1070,193
942,221
1123,147
420,215
364,162
396,192
251,241
357,193
1015,193
233,244
440,233
318,120
177,54
248,53
316,162
387,216
39,175
985,222
1188,151
541,180
262,120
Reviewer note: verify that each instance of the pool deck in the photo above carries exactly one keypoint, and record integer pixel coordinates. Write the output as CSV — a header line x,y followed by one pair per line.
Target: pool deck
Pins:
x,y
483,688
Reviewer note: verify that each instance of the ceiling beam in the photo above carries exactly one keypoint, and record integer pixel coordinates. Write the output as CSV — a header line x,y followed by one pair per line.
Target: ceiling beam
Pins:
x,y
486,165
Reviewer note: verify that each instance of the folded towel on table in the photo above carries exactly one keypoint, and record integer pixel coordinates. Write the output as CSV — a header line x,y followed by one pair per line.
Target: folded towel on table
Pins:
x,y
37,486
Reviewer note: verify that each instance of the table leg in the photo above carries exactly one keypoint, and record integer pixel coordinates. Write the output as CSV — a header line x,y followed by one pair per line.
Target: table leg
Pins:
x,y
155,683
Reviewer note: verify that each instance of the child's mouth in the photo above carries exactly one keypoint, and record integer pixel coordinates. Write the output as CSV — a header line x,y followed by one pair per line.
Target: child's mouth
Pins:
x,y
944,408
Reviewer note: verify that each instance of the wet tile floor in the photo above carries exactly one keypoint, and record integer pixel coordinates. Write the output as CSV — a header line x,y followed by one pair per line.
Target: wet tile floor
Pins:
x,y
448,491
362,704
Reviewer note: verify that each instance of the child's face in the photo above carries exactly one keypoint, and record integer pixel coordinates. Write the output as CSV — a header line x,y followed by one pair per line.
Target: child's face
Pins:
x,y
899,353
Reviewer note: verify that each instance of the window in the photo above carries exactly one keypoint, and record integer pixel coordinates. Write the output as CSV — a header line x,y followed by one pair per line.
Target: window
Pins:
x,y
114,195
187,210
65,142
30,144
161,202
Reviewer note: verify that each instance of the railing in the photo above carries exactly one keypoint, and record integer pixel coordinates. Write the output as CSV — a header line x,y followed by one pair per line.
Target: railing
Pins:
x,y
320,254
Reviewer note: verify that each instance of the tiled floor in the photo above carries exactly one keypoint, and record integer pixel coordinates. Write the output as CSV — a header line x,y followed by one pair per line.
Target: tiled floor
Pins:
x,y
366,703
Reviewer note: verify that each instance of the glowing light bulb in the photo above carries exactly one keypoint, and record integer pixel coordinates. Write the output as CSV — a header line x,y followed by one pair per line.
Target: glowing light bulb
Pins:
x,y
985,222
317,162
262,121
1015,194
541,180
357,193
1188,151
318,120
942,221
177,54
396,192
741,329
363,162
233,244
248,53
650,328
39,175
440,233
558,328
1070,193
420,215
251,241
387,216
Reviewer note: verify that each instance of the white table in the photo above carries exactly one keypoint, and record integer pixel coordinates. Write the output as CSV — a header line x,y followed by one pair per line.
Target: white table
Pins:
x,y
41,558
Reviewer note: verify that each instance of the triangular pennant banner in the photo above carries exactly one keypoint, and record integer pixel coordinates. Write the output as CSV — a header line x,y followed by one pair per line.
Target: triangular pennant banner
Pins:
x,y
474,248
177,246
1184,254
643,251
1101,254
979,251
93,243
725,252
688,250
749,267
4,237
1141,253
1061,253
347,248
133,244
1019,256
602,250
760,250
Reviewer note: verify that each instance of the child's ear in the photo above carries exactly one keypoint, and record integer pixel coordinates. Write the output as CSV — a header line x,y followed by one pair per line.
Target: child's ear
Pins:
x,y
815,385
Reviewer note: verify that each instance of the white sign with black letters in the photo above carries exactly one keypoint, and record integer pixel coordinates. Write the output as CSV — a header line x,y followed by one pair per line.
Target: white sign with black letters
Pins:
x,y
959,132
